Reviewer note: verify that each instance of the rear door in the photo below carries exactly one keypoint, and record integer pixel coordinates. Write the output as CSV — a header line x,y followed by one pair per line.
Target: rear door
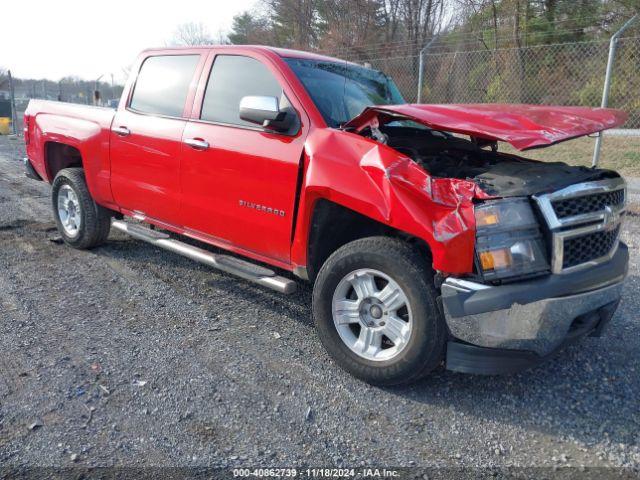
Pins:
x,y
241,189
146,135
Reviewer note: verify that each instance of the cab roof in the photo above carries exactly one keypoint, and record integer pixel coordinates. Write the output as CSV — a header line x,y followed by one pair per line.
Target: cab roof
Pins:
x,y
282,52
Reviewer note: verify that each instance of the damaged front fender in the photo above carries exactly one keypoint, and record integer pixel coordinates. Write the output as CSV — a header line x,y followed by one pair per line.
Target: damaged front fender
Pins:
x,y
379,182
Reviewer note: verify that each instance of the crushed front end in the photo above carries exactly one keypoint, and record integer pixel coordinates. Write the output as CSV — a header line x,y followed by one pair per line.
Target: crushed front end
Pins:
x,y
549,271
547,264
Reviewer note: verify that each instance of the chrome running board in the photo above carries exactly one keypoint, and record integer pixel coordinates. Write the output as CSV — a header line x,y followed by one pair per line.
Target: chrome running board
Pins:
x,y
235,266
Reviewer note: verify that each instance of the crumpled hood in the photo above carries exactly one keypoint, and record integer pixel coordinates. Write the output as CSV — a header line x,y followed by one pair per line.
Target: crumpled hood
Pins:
x,y
523,126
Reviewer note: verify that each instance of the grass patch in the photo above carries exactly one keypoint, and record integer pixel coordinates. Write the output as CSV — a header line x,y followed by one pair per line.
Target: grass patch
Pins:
x,y
618,153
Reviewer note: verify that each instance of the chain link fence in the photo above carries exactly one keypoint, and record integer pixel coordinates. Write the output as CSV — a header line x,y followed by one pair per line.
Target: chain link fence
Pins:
x,y
557,74
403,70
66,90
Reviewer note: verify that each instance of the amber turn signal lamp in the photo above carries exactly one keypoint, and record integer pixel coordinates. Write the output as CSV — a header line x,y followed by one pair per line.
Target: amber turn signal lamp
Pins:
x,y
495,259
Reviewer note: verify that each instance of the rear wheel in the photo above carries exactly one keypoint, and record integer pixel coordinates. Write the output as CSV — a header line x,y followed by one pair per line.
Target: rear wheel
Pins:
x,y
82,223
376,313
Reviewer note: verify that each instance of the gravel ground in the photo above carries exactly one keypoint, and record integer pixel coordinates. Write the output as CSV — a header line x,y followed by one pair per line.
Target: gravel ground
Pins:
x,y
129,355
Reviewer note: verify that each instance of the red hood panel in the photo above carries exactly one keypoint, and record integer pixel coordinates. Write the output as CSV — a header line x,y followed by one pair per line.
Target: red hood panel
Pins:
x,y
523,126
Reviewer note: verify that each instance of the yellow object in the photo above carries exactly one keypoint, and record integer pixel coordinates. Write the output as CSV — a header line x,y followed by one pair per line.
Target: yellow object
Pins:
x,y
5,125
496,259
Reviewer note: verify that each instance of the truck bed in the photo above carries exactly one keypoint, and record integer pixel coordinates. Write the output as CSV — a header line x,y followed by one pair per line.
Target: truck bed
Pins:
x,y
82,128
100,115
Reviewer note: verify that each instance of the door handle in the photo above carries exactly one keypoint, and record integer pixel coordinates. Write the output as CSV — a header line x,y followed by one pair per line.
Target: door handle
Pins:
x,y
121,131
197,143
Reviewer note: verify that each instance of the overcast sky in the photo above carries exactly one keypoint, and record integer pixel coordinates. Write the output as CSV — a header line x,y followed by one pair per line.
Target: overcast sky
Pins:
x,y
56,38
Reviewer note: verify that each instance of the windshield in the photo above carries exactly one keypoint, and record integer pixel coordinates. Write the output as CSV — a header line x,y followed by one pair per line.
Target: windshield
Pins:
x,y
341,90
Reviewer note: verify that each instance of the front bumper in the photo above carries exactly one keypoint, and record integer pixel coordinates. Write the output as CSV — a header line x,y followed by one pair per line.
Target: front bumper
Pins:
x,y
502,329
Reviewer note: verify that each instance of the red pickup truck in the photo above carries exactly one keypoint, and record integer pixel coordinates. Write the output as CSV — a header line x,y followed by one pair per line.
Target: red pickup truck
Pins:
x,y
424,243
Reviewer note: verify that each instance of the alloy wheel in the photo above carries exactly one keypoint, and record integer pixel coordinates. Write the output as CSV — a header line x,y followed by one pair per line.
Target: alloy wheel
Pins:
x,y
69,210
372,315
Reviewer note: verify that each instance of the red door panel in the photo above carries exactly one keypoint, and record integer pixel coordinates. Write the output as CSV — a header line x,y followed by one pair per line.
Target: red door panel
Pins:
x,y
145,164
242,188
146,136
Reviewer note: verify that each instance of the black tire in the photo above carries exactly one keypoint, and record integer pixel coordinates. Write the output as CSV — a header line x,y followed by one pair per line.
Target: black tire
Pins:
x,y
95,221
400,261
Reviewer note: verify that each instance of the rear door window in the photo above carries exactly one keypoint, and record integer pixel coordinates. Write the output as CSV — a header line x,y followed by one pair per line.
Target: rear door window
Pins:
x,y
163,83
233,77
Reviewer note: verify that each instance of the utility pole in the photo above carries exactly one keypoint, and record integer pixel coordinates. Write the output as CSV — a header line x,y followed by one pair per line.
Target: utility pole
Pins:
x,y
14,113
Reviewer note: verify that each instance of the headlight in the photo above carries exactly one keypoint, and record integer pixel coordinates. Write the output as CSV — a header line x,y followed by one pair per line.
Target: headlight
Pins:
x,y
509,242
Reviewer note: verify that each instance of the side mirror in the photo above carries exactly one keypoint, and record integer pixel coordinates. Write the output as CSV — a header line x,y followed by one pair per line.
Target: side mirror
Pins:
x,y
265,111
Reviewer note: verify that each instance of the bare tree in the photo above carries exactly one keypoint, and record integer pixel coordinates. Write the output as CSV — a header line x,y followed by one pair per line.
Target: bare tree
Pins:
x,y
190,34
391,18
351,23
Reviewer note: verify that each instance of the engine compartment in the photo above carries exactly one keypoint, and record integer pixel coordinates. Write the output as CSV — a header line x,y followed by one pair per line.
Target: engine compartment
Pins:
x,y
499,174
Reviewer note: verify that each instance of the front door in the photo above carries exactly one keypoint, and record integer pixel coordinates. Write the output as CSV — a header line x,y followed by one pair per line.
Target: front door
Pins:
x,y
238,180
146,137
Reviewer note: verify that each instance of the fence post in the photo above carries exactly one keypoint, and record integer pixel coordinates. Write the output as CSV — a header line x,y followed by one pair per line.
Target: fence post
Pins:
x,y
421,67
607,83
14,113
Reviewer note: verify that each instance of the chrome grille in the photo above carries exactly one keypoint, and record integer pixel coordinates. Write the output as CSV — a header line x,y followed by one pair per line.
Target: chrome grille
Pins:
x,y
579,250
584,222
587,204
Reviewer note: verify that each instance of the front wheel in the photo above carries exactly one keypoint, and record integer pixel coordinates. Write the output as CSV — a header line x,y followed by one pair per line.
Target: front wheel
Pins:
x,y
376,312
82,223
